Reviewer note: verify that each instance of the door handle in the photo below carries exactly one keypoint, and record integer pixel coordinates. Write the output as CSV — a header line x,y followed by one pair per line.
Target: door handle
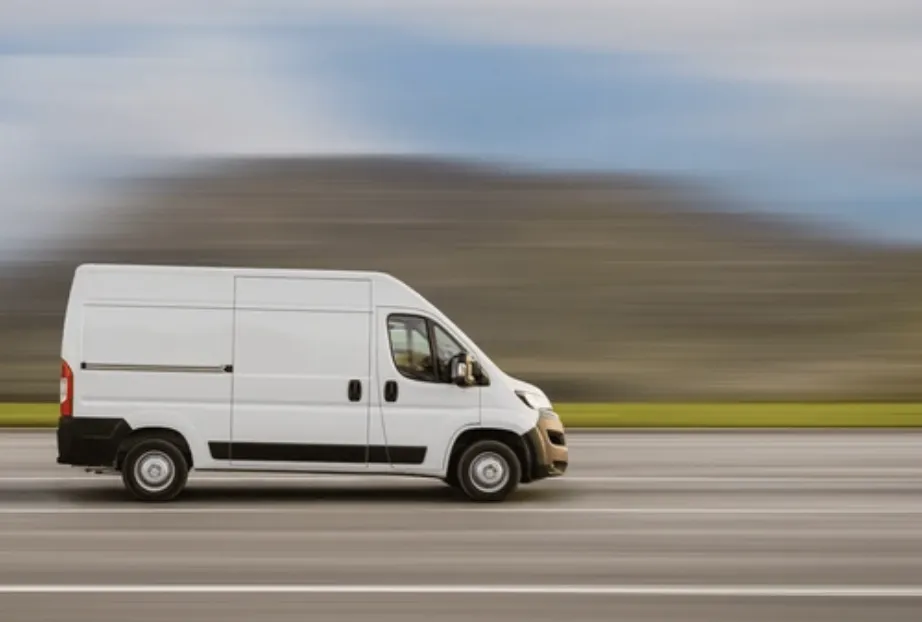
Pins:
x,y
355,390
390,391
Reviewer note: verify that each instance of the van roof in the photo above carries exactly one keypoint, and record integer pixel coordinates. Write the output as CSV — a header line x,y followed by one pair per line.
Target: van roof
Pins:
x,y
241,270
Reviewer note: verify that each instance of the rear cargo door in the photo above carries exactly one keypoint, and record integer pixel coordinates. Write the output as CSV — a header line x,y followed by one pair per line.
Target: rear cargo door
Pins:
x,y
155,349
302,373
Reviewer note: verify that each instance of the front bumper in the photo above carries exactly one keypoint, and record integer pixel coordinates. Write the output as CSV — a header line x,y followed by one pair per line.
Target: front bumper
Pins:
x,y
550,455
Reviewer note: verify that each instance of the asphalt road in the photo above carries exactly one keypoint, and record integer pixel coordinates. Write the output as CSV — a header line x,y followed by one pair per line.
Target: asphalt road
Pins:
x,y
681,527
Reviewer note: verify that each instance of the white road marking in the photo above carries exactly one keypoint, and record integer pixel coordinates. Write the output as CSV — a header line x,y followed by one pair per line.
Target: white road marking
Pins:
x,y
416,509
728,591
110,533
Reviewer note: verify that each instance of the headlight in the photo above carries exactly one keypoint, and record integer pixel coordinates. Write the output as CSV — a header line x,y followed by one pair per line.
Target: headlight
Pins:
x,y
533,400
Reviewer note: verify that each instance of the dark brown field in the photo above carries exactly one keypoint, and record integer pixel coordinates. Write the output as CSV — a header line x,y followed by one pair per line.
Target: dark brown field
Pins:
x,y
598,288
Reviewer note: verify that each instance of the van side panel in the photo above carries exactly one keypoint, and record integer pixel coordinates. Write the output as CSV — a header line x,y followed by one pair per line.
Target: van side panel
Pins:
x,y
299,344
152,349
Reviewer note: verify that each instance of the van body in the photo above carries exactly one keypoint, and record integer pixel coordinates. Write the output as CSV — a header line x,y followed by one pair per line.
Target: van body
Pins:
x,y
166,369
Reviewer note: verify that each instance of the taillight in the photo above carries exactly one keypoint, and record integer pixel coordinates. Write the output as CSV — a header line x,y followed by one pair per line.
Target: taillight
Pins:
x,y
67,390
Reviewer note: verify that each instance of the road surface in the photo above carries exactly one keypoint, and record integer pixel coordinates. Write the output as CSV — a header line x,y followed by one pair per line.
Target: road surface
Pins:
x,y
683,527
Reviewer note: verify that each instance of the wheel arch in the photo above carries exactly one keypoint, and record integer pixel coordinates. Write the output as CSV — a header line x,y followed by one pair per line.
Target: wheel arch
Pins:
x,y
518,443
157,432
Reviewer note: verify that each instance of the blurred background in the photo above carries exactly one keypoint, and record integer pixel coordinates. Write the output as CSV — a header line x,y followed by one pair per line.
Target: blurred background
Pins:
x,y
620,201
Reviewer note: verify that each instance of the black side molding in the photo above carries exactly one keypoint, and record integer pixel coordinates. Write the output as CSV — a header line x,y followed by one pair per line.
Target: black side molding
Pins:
x,y
307,453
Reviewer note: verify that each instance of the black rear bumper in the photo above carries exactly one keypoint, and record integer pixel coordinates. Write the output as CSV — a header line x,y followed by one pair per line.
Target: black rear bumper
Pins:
x,y
90,441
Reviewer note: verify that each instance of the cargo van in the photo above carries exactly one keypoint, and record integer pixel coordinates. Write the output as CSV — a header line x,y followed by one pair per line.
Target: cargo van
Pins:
x,y
169,369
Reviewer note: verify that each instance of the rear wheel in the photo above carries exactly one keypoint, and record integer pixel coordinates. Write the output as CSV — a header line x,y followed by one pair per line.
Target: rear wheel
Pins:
x,y
489,471
154,470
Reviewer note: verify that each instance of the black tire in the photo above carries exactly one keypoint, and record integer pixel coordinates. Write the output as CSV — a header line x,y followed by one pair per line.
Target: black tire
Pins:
x,y
154,456
499,469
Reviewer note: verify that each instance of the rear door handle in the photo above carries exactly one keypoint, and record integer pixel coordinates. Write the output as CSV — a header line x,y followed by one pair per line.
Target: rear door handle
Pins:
x,y
355,390
390,391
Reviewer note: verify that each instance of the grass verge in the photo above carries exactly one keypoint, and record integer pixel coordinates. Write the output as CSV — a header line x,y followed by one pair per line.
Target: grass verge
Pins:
x,y
742,415
647,415
28,415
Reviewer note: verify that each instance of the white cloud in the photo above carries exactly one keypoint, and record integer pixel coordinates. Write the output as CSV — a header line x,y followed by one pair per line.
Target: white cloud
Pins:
x,y
867,52
191,96
859,48
854,44
859,59
82,117
28,200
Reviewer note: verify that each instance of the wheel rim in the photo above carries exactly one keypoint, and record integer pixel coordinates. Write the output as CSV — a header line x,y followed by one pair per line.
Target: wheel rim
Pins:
x,y
489,472
154,471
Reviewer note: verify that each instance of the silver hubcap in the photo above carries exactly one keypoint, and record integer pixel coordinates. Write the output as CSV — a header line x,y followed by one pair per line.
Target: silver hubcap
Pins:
x,y
489,472
154,471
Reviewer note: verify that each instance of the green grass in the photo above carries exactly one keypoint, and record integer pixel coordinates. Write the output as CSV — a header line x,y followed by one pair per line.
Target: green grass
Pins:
x,y
742,415
771,415
28,415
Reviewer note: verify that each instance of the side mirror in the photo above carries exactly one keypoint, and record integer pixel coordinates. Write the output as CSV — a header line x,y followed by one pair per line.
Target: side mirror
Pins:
x,y
462,370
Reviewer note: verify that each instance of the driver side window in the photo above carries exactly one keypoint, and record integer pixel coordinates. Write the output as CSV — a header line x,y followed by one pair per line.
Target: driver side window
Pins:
x,y
411,348
412,339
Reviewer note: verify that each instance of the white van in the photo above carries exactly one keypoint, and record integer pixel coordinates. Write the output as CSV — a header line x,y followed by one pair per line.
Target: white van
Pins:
x,y
169,369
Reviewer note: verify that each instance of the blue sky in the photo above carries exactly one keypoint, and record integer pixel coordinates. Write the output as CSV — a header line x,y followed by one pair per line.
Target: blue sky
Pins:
x,y
808,107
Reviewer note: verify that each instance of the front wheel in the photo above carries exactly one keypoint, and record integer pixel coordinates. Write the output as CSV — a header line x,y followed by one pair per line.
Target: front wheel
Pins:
x,y
154,470
489,471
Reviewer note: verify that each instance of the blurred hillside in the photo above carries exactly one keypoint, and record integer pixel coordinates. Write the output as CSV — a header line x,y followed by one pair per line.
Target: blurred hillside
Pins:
x,y
597,288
